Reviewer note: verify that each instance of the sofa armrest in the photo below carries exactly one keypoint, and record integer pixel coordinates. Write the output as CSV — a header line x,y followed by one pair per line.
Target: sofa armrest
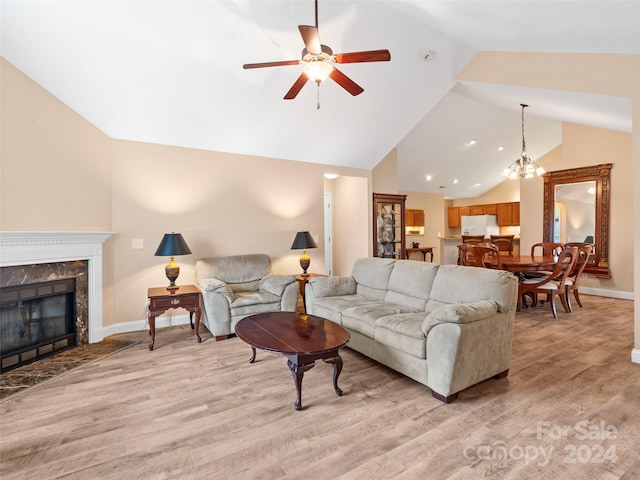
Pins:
x,y
213,285
275,284
459,313
332,286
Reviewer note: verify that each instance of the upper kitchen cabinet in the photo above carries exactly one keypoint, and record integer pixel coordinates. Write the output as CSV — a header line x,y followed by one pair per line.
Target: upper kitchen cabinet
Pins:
x,y
508,214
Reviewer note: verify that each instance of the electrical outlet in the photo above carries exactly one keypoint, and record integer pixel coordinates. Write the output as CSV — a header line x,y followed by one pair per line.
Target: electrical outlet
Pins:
x,y
137,243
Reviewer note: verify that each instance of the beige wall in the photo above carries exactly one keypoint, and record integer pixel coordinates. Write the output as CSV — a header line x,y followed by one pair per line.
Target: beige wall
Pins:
x,y
223,204
352,222
385,175
56,170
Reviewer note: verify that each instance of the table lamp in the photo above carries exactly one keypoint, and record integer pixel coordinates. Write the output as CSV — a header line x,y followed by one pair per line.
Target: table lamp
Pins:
x,y
303,241
172,244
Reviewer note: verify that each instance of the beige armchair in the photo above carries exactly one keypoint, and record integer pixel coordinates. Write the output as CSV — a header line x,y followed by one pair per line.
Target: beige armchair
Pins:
x,y
236,286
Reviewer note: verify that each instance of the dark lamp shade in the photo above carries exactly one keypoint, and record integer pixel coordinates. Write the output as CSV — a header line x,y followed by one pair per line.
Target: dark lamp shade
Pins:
x,y
302,241
172,244
588,239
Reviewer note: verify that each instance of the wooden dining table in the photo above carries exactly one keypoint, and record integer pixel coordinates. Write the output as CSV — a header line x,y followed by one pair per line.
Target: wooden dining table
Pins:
x,y
528,263
519,264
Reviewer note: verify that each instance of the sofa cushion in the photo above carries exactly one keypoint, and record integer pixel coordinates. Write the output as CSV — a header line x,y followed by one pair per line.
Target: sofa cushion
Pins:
x,y
410,283
245,310
459,284
331,308
253,298
332,286
363,318
403,332
372,276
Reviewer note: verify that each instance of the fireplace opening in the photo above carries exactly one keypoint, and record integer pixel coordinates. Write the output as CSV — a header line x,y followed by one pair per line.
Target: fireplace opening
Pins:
x,y
36,320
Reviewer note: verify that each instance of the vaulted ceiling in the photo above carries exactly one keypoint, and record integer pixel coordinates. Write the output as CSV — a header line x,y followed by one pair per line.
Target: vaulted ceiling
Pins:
x,y
170,72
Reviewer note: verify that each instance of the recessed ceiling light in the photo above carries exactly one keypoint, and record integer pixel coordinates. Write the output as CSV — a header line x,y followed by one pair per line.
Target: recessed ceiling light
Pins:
x,y
428,178
330,176
455,180
477,184
500,148
472,142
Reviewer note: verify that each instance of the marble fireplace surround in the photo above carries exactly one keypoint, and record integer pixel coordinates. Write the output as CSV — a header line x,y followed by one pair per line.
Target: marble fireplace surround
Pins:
x,y
30,248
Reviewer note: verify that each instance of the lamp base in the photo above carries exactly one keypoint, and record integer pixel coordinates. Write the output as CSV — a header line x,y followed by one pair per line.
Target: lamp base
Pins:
x,y
305,261
172,271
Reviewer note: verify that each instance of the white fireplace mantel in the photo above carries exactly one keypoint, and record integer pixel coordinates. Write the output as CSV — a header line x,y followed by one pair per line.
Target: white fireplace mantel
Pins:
x,y
28,248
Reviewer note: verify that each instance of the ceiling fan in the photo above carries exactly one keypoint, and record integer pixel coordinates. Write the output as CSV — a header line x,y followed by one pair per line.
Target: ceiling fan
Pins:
x,y
319,62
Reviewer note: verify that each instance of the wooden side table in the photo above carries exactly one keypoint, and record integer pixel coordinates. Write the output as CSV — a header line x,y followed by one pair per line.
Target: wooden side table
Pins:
x,y
161,300
302,283
423,250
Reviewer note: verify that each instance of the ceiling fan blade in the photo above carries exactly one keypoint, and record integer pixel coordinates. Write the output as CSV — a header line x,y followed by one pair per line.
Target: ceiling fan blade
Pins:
x,y
368,56
270,64
310,38
345,82
297,86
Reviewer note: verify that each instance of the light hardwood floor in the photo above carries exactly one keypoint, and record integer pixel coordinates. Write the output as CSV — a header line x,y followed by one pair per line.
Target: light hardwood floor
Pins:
x,y
200,411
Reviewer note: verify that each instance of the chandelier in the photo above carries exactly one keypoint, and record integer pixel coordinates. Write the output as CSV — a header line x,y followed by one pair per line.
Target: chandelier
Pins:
x,y
523,166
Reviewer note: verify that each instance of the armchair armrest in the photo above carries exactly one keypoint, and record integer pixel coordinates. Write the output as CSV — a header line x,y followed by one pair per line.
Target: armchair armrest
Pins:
x,y
275,284
214,285
332,286
459,313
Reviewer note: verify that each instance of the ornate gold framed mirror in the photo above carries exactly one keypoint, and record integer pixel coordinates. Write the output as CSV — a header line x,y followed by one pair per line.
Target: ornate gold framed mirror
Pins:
x,y
557,214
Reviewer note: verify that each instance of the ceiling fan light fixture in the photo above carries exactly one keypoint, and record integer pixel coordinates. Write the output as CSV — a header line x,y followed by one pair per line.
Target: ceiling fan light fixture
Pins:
x,y
523,166
317,70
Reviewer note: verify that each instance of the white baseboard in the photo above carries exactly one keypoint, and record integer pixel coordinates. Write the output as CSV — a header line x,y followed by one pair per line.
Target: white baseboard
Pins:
x,y
601,292
140,325
635,355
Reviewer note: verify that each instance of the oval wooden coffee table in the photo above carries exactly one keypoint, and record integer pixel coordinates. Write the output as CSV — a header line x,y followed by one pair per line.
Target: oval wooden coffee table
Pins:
x,y
299,337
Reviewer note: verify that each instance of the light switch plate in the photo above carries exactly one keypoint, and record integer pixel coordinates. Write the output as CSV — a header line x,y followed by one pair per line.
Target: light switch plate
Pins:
x,y
137,243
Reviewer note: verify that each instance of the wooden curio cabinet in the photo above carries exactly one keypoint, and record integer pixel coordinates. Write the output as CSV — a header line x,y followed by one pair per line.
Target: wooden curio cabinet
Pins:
x,y
388,225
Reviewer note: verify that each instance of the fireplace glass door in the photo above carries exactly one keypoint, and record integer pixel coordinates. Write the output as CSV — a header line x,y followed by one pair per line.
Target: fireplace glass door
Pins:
x,y
36,320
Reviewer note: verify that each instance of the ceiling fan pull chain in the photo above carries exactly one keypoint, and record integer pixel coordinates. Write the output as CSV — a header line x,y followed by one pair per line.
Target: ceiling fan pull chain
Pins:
x,y
318,97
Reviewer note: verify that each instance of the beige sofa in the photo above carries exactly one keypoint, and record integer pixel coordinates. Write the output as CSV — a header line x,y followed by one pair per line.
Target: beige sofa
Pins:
x,y
236,286
448,327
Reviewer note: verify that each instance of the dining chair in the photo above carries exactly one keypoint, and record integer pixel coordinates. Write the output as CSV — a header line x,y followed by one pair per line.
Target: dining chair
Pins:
x,y
504,242
472,238
484,255
551,285
573,279
547,249
463,255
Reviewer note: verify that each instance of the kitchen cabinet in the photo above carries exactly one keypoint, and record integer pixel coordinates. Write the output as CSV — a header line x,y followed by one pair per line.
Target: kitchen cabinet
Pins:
x,y
453,217
415,222
415,218
490,209
389,225
508,214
